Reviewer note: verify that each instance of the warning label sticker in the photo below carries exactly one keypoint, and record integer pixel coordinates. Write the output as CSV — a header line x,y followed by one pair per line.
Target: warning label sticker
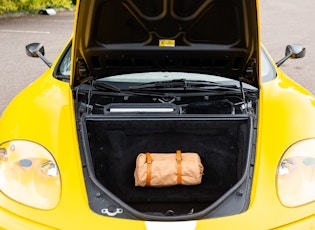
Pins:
x,y
167,43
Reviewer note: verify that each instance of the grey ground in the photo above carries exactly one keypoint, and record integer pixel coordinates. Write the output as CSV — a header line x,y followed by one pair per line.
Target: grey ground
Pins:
x,y
282,22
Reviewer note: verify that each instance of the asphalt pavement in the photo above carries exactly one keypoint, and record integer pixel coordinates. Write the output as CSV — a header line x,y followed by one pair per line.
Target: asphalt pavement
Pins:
x,y
17,70
283,22
286,22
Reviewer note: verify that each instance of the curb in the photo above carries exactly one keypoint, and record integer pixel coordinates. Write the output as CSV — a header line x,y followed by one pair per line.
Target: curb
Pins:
x,y
27,13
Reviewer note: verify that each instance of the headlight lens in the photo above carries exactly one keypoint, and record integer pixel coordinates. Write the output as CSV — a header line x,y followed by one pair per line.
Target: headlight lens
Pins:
x,y
29,174
296,174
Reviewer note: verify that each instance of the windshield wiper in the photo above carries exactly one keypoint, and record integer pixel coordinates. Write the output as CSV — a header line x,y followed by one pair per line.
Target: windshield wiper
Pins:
x,y
178,87
105,86
184,84
112,90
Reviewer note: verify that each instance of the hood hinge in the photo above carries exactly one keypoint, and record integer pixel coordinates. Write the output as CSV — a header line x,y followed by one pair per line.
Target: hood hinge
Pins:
x,y
82,71
250,70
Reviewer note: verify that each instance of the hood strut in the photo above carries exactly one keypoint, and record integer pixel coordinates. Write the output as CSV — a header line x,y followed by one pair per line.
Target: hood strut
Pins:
x,y
247,105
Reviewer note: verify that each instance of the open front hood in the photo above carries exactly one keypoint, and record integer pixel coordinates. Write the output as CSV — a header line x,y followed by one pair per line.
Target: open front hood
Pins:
x,y
217,37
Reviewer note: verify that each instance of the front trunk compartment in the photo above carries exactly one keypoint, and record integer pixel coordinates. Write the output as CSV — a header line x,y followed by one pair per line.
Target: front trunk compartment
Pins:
x,y
111,143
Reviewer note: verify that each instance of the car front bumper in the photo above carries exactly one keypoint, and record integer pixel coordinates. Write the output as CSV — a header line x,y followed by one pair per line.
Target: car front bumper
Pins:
x,y
12,221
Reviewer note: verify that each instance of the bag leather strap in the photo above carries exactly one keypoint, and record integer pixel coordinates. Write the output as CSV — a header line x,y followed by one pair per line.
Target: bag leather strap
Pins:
x,y
149,168
179,166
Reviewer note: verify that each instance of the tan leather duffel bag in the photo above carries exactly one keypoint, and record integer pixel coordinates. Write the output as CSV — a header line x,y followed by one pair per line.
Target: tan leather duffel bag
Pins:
x,y
168,169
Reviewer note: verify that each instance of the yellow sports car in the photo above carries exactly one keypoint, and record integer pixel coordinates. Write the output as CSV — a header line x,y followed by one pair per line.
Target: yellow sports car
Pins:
x,y
160,114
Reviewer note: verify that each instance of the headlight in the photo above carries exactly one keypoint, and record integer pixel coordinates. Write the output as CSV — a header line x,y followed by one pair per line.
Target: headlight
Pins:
x,y
29,174
296,174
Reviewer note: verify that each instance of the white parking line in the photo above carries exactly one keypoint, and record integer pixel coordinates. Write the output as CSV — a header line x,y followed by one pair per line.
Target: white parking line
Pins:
x,y
25,31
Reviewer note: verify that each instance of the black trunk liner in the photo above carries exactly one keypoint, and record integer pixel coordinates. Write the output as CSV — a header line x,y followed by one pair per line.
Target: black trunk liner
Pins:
x,y
115,143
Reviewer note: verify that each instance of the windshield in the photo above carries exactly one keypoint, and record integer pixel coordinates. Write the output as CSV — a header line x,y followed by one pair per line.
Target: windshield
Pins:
x,y
162,76
63,70
169,77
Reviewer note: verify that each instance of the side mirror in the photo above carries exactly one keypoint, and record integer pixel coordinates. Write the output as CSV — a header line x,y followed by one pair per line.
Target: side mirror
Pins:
x,y
292,51
37,50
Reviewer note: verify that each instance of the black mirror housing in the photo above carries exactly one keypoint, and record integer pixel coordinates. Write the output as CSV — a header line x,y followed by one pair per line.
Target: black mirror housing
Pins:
x,y
37,50
292,51
33,48
295,51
